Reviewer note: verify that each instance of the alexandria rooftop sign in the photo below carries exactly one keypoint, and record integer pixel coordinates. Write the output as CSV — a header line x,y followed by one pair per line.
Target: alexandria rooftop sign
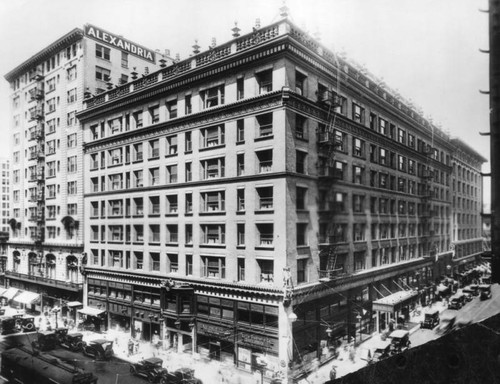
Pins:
x,y
119,42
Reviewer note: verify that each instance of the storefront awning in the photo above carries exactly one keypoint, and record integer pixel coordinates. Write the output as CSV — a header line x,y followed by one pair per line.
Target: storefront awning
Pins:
x,y
10,293
27,297
91,311
72,304
394,302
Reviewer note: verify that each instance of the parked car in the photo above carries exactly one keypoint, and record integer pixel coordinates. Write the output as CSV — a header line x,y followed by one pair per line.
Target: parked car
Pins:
x,y
150,369
473,290
99,349
183,376
431,319
485,291
71,341
381,351
25,323
457,301
400,341
47,341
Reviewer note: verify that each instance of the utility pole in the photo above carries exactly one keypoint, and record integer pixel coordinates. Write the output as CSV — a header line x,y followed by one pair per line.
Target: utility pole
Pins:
x,y
494,51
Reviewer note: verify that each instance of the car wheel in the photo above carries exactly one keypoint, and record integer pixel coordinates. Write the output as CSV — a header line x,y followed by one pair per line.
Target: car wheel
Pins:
x,y
163,380
151,378
132,369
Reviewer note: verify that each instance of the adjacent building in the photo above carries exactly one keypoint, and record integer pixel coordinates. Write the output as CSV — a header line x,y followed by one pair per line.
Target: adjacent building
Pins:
x,y
268,198
47,90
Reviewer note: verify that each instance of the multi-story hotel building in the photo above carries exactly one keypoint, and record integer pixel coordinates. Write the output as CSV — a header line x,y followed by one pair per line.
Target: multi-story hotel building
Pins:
x,y
4,215
265,197
46,237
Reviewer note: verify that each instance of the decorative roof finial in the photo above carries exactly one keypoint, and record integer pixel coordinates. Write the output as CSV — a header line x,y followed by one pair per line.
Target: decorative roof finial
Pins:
x,y
146,71
134,74
177,58
196,47
214,42
284,11
236,30
257,23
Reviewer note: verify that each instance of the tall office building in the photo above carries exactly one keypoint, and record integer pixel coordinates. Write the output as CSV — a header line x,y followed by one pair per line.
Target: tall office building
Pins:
x,y
268,198
4,193
47,90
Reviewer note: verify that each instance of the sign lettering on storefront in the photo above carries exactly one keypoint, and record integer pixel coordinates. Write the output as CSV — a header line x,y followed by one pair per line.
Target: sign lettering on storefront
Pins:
x,y
257,341
209,329
119,42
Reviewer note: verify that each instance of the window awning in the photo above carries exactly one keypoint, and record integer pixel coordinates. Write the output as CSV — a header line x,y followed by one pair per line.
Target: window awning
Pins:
x,y
71,304
10,293
394,302
27,297
91,311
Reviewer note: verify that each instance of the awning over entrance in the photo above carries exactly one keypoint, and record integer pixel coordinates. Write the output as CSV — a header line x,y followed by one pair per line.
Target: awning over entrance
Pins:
x,y
72,304
394,302
91,311
10,293
27,297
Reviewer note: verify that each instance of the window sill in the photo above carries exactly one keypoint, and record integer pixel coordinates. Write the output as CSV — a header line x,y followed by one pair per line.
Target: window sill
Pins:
x,y
264,248
264,211
213,246
214,213
171,214
212,147
171,155
263,138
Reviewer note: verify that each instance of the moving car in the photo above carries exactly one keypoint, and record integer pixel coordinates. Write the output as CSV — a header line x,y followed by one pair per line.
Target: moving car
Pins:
x,y
150,369
485,291
447,322
99,349
431,319
400,341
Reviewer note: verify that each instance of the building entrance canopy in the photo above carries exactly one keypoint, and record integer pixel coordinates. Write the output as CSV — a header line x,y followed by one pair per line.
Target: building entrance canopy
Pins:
x,y
10,293
393,303
27,297
91,311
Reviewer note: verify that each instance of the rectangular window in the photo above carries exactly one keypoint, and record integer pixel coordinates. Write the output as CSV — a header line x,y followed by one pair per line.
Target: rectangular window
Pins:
x,y
265,81
213,97
102,74
213,201
154,114
212,136
172,204
265,235
171,145
300,127
72,96
300,83
264,125
265,196
72,140
172,109
72,166
188,107
240,88
188,142
240,164
138,119
213,267
358,113
240,131
213,234
124,60
102,52
302,234
154,176
265,161
212,168
171,174
172,234
240,199
240,230
154,149
300,162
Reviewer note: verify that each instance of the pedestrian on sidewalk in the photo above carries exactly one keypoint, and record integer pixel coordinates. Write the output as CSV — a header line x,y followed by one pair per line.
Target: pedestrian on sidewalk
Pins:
x,y
131,346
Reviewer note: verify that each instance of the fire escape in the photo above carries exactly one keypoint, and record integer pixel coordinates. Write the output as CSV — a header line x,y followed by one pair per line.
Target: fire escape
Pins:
x,y
427,196
328,143
38,135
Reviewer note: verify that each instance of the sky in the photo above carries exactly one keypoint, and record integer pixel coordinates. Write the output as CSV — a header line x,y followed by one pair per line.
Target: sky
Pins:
x,y
427,50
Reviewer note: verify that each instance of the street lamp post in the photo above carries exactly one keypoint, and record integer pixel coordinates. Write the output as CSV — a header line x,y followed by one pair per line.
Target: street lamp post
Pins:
x,y
261,364
55,311
358,317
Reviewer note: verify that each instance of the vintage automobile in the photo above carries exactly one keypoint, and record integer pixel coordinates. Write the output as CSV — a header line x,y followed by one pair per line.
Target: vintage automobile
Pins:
x,y
431,319
183,376
25,323
381,350
457,301
47,341
150,369
485,291
447,322
8,325
471,289
400,341
71,341
99,349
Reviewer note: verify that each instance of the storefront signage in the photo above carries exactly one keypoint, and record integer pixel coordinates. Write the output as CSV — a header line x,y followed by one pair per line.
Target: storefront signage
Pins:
x,y
119,42
213,330
257,341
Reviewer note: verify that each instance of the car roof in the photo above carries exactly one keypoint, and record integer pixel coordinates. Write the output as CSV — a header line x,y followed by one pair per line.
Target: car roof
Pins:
x,y
399,333
100,341
382,344
431,311
75,334
153,360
